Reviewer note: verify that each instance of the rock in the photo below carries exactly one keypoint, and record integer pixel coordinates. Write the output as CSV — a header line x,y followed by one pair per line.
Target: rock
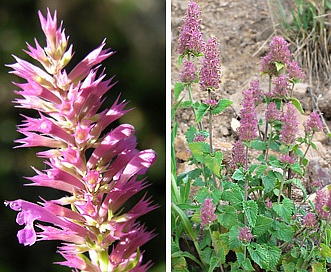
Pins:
x,y
300,92
235,124
318,169
324,103
182,150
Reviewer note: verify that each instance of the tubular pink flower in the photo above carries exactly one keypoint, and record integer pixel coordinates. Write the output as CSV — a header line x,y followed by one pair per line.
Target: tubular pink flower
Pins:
x,y
207,212
281,86
313,123
188,74
248,122
278,53
98,171
272,113
321,202
245,234
310,221
294,71
190,39
211,69
289,130
286,159
238,155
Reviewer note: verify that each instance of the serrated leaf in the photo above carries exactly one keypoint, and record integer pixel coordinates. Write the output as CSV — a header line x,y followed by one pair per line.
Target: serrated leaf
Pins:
x,y
259,255
221,106
234,242
178,88
265,256
213,263
284,209
296,168
214,161
235,198
284,232
258,145
238,174
199,150
190,134
250,210
269,181
201,112
228,217
296,103
262,224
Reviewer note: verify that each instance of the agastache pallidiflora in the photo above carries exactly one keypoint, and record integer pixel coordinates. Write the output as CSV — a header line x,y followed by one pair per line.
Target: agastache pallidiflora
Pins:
x,y
98,171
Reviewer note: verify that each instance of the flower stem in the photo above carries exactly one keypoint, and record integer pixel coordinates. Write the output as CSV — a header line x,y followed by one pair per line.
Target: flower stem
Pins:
x,y
192,107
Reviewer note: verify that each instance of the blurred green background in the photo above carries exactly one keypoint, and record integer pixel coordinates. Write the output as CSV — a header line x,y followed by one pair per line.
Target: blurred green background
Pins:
x,y
135,29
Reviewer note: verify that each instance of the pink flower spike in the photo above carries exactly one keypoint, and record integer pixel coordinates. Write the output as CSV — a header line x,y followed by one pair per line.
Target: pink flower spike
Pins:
x,y
289,130
97,168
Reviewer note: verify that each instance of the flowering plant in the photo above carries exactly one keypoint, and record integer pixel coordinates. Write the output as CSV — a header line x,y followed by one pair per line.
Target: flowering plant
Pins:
x,y
241,215
97,169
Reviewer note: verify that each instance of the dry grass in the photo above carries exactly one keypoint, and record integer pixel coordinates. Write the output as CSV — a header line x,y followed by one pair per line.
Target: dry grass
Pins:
x,y
306,24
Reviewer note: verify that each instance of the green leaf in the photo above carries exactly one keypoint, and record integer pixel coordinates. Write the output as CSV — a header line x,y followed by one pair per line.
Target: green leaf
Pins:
x,y
221,245
284,232
258,145
185,221
296,168
199,150
186,104
234,242
214,161
250,210
262,224
228,217
190,134
202,110
318,267
207,254
284,209
178,88
269,181
238,175
325,251
265,256
221,106
174,109
296,103
279,65
288,267
213,263
259,255
235,198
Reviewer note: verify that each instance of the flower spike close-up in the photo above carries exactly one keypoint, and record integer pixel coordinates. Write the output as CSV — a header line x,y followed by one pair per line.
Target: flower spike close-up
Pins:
x,y
98,169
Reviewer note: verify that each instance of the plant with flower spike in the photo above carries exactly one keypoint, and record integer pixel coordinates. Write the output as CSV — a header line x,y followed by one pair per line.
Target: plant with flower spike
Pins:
x,y
90,219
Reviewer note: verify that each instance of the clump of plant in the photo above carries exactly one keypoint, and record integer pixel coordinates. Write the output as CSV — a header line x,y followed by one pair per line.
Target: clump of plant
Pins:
x,y
242,216
307,26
